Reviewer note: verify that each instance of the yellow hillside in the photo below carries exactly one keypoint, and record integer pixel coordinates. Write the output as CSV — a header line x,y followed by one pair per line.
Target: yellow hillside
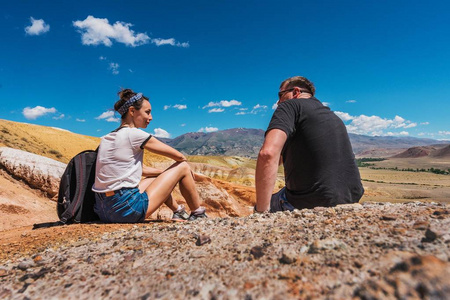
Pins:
x,y
224,161
58,144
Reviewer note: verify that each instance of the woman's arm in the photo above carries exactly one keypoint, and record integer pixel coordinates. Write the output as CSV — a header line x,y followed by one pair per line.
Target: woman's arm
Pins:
x,y
158,147
150,171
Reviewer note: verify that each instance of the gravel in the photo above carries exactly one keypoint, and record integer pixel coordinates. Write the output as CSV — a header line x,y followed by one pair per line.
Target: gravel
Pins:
x,y
365,251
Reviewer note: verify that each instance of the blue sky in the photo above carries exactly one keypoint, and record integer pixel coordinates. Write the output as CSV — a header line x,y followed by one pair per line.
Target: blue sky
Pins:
x,y
382,66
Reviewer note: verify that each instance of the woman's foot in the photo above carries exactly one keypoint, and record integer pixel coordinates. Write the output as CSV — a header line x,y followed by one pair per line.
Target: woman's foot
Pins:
x,y
180,215
198,214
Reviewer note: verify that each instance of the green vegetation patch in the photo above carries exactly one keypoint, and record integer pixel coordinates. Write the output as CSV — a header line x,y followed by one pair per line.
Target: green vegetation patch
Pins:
x,y
363,162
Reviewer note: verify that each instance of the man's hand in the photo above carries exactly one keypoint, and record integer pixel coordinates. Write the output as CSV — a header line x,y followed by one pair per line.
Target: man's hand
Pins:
x,y
267,167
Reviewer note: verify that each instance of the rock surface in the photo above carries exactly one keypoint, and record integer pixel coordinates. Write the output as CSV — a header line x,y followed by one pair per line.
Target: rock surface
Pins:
x,y
368,251
38,171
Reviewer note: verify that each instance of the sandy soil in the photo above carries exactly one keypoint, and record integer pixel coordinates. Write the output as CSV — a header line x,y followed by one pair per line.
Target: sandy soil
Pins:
x,y
24,240
400,186
414,163
20,205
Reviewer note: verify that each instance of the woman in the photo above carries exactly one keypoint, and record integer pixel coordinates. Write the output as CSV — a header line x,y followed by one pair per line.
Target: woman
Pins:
x,y
120,194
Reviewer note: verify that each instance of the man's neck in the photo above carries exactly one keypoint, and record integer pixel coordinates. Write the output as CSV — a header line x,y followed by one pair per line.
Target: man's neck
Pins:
x,y
304,95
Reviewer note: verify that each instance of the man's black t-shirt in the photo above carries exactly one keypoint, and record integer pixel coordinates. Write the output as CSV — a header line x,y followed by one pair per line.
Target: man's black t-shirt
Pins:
x,y
319,164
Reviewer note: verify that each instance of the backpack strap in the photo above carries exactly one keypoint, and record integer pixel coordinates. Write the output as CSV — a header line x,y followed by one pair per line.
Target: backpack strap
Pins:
x,y
47,224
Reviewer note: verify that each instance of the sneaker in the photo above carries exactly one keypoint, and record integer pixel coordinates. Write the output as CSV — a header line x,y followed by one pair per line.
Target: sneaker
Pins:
x,y
180,216
197,215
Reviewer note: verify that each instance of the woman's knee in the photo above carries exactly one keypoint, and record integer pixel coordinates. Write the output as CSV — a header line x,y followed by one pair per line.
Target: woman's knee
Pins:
x,y
184,167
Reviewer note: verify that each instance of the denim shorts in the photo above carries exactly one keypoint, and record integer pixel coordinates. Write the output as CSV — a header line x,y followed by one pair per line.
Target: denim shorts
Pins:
x,y
127,205
279,202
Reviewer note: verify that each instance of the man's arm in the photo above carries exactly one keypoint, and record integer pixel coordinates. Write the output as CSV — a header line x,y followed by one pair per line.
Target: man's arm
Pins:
x,y
267,167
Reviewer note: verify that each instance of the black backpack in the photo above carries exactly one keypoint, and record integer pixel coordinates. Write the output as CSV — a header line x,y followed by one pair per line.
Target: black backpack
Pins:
x,y
76,198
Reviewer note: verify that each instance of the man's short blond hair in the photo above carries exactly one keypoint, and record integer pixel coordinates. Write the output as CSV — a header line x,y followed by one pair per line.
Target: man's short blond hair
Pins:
x,y
302,82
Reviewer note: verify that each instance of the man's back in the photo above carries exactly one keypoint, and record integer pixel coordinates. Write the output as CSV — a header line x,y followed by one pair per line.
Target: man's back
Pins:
x,y
319,164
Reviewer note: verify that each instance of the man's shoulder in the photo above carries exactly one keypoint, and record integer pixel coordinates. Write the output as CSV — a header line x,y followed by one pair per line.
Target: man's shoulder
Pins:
x,y
302,101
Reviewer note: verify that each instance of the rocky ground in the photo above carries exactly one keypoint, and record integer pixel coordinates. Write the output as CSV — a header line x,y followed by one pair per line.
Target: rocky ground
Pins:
x,y
368,251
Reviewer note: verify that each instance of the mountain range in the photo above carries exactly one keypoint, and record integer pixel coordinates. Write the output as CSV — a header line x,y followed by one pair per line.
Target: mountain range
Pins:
x,y
242,142
246,142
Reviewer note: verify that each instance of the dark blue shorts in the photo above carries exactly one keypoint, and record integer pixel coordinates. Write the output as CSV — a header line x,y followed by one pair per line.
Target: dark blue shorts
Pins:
x,y
279,202
127,205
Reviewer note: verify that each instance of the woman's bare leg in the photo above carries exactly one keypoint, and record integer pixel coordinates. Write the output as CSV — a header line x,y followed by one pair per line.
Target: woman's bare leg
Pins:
x,y
145,183
189,192
159,189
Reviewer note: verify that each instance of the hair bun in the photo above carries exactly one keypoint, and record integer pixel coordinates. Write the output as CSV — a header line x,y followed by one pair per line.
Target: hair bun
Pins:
x,y
126,94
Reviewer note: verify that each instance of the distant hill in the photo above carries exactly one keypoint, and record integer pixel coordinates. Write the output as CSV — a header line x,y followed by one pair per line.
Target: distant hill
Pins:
x,y
436,151
442,153
247,142
362,143
231,142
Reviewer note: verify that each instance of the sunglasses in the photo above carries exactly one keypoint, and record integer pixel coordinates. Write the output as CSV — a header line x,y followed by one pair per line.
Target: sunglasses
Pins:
x,y
281,93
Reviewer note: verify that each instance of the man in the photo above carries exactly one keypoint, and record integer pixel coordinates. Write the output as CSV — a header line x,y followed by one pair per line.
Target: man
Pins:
x,y
313,144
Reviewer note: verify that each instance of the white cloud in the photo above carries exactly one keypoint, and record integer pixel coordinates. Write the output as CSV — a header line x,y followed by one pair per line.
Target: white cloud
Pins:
x,y
425,123
57,128
350,101
402,133
96,31
444,132
114,67
326,104
255,110
223,103
61,116
172,42
410,125
182,125
108,116
105,115
344,116
37,27
374,125
38,111
180,106
102,58
159,132
80,120
275,105
216,110
400,122
208,129
176,106
258,108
